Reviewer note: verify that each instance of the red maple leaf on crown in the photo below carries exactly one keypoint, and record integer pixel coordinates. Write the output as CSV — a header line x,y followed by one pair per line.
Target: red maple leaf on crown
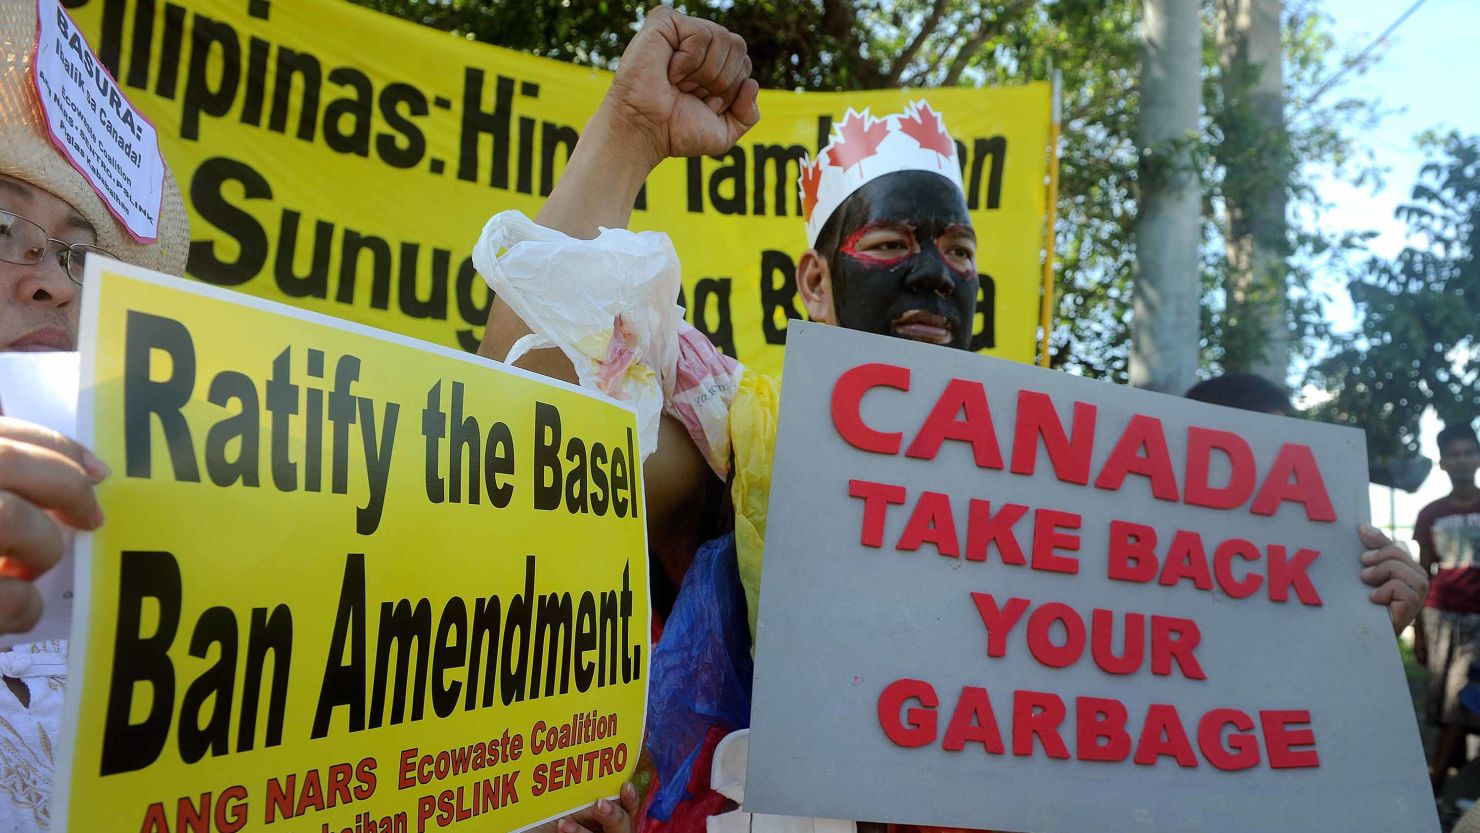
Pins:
x,y
923,125
859,137
811,179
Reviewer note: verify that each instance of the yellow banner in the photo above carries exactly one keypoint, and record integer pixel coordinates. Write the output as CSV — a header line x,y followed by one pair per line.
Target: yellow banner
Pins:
x,y
344,161
347,582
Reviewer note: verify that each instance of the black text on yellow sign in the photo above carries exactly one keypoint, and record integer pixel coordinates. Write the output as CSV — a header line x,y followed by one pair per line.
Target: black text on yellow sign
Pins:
x,y
345,161
346,583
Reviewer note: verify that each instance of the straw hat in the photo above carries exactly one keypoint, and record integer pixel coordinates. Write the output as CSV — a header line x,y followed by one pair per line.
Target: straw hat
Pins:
x,y
26,153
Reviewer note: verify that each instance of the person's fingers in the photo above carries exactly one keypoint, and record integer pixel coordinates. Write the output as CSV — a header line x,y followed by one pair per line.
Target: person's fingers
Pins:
x,y
1392,562
629,799
648,55
1392,591
20,605
30,541
1401,601
745,112
612,817
51,480
1372,537
1394,553
690,40
1400,584
717,47
733,74
1389,570
604,816
33,434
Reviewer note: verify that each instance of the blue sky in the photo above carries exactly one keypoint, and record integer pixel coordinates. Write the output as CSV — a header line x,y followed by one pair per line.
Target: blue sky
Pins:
x,y
1427,71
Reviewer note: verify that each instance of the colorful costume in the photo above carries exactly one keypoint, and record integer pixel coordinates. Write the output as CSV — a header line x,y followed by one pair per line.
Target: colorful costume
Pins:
x,y
607,304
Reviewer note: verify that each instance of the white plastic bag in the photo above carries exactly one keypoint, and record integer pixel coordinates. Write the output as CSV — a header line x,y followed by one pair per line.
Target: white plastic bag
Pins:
x,y
609,304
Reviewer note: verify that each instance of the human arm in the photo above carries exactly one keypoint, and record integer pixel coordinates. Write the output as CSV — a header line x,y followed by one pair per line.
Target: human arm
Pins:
x,y
1398,583
46,483
683,88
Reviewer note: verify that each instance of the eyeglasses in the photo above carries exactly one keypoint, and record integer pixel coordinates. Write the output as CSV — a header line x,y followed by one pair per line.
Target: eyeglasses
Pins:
x,y
24,243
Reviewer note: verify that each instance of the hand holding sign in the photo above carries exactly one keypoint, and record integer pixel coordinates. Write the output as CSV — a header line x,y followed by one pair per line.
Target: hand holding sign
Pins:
x,y
1397,581
604,816
46,481
474,672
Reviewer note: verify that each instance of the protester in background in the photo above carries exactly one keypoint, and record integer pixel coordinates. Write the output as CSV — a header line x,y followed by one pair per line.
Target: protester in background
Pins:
x,y
1246,391
51,220
1448,535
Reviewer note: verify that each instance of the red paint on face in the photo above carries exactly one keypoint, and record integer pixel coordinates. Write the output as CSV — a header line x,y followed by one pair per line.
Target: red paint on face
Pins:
x,y
850,246
888,274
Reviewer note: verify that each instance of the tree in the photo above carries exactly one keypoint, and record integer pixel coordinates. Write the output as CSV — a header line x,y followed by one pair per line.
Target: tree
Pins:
x,y
591,33
1164,343
1252,152
1418,344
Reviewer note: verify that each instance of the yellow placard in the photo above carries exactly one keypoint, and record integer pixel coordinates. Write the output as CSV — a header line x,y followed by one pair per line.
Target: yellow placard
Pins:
x,y
348,582
344,161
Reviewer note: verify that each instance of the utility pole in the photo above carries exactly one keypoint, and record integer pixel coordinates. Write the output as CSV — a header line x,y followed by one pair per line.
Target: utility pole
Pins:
x,y
1164,333
1257,337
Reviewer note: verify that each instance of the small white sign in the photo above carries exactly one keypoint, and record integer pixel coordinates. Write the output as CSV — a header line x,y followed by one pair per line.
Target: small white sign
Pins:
x,y
42,388
90,120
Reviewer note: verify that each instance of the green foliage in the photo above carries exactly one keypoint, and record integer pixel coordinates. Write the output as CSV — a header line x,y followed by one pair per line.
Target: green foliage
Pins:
x,y
591,32
1419,341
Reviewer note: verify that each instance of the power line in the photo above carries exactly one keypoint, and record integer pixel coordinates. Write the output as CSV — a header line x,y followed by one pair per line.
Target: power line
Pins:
x,y
1353,62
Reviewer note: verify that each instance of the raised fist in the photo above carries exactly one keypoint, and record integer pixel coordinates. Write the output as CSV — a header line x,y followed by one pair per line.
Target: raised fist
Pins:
x,y
683,88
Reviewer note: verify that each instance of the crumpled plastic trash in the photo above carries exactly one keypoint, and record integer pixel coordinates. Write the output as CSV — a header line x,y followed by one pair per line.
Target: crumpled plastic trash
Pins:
x,y
609,304
698,684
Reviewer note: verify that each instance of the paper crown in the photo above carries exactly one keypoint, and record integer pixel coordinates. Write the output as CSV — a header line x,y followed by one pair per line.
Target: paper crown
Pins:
x,y
863,148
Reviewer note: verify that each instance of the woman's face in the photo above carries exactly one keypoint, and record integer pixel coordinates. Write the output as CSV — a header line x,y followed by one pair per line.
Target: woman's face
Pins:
x,y
39,304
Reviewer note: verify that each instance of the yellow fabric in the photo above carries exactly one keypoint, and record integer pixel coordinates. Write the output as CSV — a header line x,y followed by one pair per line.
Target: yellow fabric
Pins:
x,y
753,438
382,162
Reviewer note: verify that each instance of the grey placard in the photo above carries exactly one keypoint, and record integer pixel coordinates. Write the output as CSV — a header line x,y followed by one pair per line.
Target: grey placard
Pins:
x,y
839,621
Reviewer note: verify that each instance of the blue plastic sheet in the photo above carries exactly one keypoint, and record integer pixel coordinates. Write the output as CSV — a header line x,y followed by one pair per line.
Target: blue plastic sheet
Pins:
x,y
701,671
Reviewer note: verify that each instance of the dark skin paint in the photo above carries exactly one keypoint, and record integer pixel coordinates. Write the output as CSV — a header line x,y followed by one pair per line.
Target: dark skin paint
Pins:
x,y
873,288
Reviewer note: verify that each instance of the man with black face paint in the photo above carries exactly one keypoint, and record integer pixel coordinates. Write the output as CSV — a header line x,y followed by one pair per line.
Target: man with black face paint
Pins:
x,y
891,250
901,261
